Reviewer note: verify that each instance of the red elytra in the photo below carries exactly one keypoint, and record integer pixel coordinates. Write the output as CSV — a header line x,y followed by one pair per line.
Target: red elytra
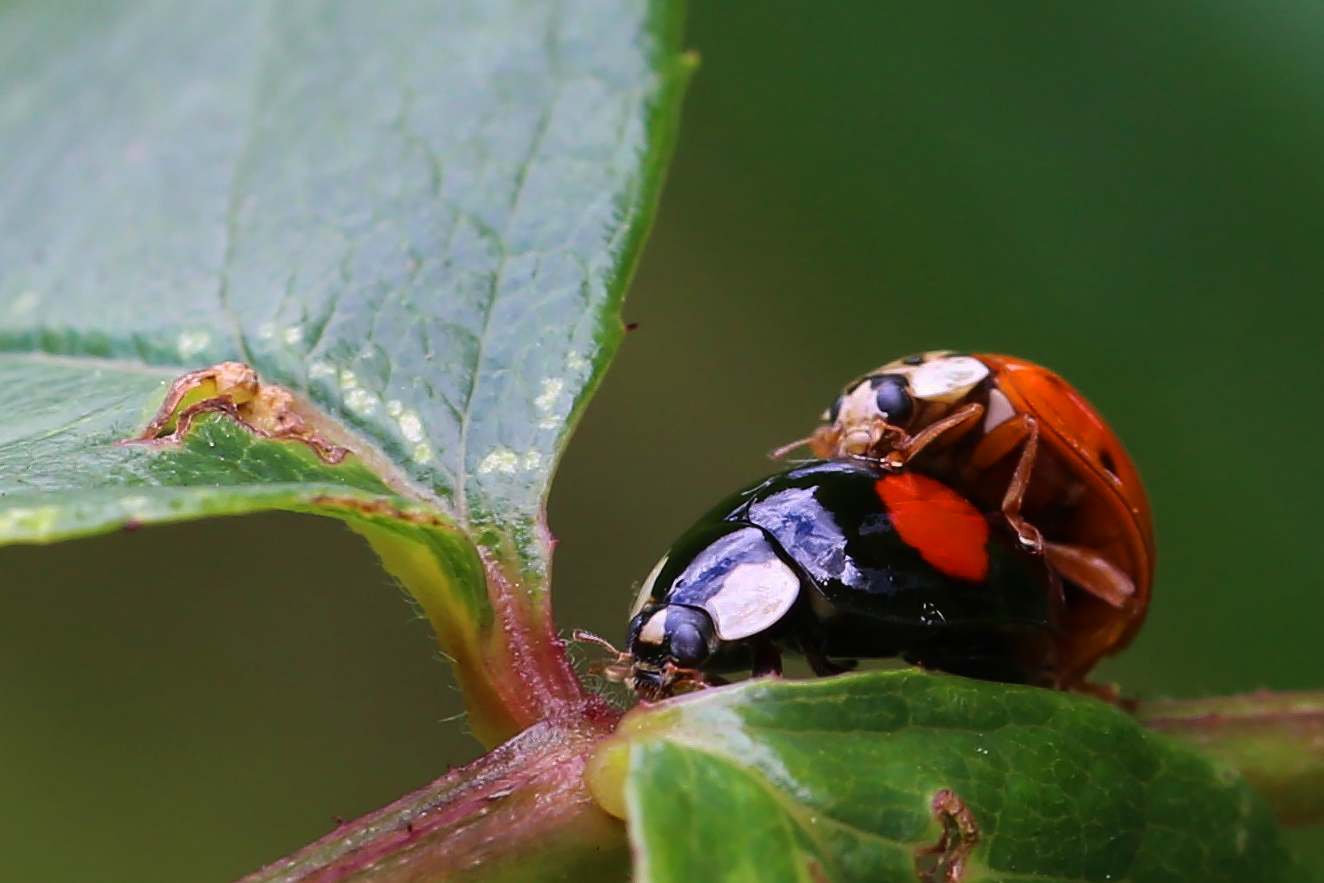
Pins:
x,y
1018,440
948,532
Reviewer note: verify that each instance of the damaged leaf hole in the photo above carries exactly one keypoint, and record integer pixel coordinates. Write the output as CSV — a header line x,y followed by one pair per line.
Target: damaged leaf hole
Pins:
x,y
944,861
233,389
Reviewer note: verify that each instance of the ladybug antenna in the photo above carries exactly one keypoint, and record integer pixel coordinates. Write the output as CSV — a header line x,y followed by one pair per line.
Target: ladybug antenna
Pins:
x,y
787,448
616,670
591,638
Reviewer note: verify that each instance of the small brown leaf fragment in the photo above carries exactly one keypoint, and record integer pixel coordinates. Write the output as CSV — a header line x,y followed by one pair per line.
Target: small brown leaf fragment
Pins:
x,y
233,389
944,861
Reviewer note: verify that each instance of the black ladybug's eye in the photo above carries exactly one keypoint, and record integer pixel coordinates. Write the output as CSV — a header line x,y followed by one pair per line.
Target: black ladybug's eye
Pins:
x,y
686,641
893,399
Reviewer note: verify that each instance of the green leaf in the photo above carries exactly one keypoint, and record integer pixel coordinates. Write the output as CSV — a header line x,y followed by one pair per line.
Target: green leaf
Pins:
x,y
421,214
907,775
416,218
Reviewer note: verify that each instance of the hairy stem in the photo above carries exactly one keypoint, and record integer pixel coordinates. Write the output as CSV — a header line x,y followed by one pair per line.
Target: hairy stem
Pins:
x,y
519,812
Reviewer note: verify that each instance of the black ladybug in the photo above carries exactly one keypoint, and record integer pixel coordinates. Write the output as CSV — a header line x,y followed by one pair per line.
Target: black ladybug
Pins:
x,y
839,560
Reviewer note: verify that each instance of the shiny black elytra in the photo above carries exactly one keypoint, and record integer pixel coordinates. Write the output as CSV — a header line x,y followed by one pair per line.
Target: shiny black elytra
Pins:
x,y
842,560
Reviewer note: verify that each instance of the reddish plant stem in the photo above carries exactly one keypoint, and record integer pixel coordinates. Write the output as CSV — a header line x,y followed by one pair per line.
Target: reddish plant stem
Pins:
x,y
530,669
523,805
1276,740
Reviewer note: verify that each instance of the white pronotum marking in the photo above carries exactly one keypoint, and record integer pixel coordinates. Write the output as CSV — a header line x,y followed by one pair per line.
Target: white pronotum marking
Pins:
x,y
946,379
655,630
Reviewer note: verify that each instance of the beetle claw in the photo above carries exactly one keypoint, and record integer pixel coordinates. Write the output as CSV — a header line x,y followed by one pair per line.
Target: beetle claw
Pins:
x,y
1028,536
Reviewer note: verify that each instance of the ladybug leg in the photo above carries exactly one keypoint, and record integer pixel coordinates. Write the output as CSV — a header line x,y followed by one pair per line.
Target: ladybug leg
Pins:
x,y
684,680
912,445
823,666
1026,533
1092,572
882,436
1107,692
767,659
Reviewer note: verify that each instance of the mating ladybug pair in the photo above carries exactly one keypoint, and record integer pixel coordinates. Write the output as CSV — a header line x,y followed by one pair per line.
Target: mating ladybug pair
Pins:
x,y
969,513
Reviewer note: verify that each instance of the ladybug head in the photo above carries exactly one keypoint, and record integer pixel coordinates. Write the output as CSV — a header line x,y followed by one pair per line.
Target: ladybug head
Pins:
x,y
863,413
668,644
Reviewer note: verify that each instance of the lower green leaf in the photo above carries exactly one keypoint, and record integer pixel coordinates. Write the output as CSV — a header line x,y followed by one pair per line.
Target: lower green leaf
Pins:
x,y
907,775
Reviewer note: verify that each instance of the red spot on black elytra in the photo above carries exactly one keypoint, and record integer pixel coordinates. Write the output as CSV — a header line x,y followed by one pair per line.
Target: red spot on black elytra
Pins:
x,y
947,531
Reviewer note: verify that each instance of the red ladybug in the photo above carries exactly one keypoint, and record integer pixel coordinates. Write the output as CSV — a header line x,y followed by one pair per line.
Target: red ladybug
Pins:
x,y
1017,439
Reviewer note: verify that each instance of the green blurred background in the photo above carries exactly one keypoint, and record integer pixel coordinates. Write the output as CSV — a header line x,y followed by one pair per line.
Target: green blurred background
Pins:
x,y
1129,193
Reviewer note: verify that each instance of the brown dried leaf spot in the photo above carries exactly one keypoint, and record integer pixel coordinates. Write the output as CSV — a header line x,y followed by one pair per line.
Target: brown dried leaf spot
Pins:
x,y
944,861
233,389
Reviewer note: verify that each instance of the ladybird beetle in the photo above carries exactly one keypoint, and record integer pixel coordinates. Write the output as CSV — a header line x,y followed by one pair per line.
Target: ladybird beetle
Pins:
x,y
841,559
1017,439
